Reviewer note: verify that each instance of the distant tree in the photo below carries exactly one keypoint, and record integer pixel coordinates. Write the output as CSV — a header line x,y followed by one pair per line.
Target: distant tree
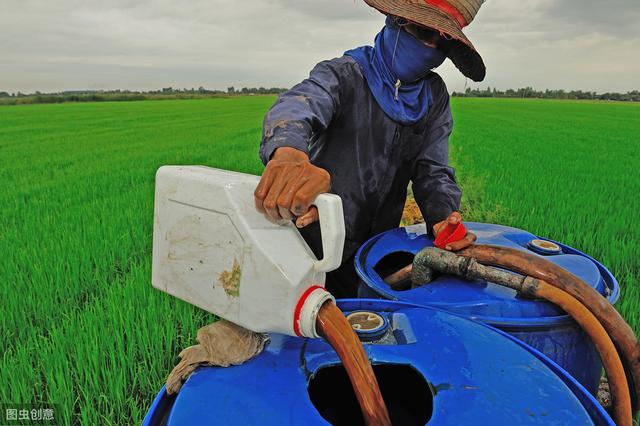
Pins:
x,y
184,93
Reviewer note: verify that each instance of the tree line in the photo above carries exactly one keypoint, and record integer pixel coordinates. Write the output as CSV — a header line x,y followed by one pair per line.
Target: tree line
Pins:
x,y
7,98
15,98
530,93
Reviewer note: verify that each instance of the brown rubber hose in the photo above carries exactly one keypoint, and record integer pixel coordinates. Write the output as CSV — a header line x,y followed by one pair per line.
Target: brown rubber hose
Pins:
x,y
535,266
432,259
542,269
608,354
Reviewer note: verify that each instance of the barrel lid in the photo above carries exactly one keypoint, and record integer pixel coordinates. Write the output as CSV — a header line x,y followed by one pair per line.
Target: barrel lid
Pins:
x,y
368,325
470,372
481,300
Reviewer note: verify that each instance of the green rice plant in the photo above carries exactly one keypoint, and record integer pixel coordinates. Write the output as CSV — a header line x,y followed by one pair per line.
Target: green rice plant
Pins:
x,y
81,325
564,170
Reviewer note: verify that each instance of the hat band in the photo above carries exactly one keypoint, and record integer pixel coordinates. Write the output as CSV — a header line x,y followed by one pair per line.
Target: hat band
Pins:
x,y
449,9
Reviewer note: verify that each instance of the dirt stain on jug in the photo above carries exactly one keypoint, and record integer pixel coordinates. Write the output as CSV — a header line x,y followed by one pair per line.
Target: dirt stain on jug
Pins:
x,y
230,280
334,327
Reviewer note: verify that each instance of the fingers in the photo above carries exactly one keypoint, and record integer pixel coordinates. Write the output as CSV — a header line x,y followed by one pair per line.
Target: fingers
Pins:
x,y
270,203
287,189
439,227
454,218
263,188
284,213
463,243
308,218
285,199
308,192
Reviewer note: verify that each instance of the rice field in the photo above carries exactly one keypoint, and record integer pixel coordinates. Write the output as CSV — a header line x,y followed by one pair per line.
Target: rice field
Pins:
x,y
81,326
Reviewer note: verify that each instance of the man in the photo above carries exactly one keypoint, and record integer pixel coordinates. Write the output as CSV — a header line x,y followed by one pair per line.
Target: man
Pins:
x,y
365,125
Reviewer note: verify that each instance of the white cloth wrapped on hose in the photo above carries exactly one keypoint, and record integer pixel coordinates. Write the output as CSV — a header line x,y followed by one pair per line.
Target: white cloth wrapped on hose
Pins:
x,y
221,344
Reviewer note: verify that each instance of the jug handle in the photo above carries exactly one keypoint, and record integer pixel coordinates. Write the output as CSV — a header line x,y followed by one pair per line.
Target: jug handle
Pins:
x,y
331,219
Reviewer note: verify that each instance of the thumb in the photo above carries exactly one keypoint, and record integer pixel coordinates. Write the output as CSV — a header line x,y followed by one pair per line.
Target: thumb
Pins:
x,y
307,218
438,227
454,218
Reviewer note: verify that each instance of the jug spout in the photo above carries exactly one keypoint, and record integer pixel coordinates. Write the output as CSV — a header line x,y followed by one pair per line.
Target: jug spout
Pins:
x,y
307,309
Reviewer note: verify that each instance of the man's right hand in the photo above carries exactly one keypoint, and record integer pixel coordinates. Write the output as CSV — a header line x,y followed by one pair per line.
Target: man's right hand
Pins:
x,y
288,186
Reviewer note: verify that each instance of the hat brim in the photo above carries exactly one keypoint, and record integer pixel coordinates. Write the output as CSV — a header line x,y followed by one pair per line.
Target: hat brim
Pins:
x,y
461,51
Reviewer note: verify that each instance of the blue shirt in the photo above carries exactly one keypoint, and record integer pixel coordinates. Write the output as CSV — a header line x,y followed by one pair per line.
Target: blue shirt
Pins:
x,y
333,117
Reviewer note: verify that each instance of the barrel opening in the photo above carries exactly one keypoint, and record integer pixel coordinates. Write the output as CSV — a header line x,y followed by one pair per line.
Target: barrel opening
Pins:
x,y
393,262
405,391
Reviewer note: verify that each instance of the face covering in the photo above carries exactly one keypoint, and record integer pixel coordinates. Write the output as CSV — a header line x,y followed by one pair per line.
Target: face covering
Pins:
x,y
394,69
408,58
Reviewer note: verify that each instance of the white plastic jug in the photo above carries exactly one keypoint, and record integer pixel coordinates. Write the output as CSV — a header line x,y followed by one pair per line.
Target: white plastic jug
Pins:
x,y
215,250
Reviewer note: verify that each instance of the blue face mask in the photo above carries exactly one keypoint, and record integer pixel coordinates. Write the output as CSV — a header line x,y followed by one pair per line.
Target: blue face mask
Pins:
x,y
408,58
394,69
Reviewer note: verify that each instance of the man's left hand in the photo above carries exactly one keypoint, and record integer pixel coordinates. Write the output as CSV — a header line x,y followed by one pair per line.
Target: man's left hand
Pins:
x,y
454,219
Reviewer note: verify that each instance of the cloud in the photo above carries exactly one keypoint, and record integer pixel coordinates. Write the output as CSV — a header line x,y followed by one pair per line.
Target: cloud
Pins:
x,y
147,44
571,44
616,17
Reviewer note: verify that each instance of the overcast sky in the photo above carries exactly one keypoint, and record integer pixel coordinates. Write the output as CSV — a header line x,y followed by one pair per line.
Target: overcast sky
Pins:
x,y
52,45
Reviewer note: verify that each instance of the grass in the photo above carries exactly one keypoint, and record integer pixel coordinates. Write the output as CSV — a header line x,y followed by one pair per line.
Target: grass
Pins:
x,y
565,170
81,325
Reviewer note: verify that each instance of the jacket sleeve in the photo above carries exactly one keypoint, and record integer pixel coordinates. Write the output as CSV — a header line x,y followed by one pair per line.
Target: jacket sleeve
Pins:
x,y
302,113
434,183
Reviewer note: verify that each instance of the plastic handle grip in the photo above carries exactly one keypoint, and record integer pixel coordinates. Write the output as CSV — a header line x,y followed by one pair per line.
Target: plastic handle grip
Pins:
x,y
332,229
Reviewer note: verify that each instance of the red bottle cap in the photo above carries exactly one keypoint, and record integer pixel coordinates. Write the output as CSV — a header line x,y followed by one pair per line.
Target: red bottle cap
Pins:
x,y
450,234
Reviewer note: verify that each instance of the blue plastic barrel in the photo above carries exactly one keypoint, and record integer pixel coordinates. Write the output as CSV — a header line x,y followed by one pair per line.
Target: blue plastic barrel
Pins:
x,y
433,367
539,324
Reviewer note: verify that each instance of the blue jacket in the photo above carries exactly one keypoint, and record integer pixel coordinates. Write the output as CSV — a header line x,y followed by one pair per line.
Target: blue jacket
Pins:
x,y
333,117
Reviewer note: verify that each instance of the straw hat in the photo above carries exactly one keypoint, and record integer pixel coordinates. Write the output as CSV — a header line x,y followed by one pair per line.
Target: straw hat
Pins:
x,y
448,17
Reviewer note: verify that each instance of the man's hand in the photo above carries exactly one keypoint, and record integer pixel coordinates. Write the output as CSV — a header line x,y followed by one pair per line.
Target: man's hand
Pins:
x,y
453,219
288,186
